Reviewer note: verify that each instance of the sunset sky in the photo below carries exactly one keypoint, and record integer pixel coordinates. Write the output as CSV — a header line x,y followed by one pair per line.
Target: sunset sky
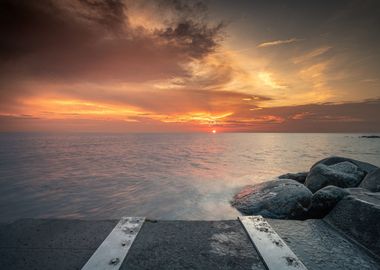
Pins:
x,y
188,66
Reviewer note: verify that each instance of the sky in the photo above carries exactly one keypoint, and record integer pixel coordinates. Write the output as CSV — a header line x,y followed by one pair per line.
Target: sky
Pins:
x,y
189,66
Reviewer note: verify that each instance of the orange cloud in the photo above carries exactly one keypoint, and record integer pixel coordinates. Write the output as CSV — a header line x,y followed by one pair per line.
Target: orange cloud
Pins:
x,y
277,42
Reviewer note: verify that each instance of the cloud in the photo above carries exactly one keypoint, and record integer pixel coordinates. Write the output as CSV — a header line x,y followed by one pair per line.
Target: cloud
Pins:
x,y
370,80
198,38
312,54
90,40
319,117
268,80
278,42
54,48
195,111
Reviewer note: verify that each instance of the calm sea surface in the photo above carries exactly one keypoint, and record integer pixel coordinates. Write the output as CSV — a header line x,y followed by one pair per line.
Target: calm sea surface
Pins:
x,y
166,176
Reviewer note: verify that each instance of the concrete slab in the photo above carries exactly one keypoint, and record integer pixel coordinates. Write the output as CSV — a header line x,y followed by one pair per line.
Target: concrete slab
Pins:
x,y
68,244
43,259
192,245
50,244
320,247
55,233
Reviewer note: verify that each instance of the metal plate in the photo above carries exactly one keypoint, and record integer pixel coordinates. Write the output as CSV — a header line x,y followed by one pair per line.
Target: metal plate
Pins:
x,y
112,252
272,249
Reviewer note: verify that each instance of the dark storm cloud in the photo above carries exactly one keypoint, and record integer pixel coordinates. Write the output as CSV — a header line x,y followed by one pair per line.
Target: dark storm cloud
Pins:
x,y
188,34
110,13
92,40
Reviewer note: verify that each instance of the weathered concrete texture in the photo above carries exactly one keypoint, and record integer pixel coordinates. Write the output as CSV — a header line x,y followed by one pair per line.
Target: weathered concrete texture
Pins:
x,y
50,244
68,244
358,216
192,245
320,247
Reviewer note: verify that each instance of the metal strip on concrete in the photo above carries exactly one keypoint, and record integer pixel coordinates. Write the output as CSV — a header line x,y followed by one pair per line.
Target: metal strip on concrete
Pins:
x,y
111,253
272,249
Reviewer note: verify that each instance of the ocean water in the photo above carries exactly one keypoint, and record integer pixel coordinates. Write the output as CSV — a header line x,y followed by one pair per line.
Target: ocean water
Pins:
x,y
165,176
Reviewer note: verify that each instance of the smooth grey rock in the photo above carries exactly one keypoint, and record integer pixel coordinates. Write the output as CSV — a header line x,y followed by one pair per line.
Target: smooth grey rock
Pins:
x,y
371,181
344,174
367,167
358,216
299,177
285,199
324,200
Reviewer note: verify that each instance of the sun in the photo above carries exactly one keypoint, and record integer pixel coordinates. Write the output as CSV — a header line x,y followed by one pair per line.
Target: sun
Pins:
x,y
213,131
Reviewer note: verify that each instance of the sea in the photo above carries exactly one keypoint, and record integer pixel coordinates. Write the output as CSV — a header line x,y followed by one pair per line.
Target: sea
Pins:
x,y
159,176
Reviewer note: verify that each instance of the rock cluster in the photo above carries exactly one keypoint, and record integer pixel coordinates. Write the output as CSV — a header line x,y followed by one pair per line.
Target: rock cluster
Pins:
x,y
310,194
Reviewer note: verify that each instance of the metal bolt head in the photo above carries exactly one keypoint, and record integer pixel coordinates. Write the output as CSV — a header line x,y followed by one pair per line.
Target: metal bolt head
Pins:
x,y
114,261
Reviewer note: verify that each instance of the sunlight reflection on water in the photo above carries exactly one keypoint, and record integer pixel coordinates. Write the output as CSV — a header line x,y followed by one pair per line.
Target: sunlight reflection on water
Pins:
x,y
167,176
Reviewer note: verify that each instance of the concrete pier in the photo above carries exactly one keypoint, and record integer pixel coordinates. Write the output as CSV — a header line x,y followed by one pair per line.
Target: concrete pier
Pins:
x,y
68,244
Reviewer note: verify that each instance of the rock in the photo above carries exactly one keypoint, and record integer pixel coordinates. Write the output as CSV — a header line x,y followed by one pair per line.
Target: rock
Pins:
x,y
324,200
358,216
344,174
371,181
367,167
299,177
358,191
285,199
370,137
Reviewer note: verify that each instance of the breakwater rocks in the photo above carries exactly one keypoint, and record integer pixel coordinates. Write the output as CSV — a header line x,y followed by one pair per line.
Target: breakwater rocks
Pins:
x,y
311,194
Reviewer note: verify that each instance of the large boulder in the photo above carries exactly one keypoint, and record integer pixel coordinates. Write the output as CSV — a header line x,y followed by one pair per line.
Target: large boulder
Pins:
x,y
285,199
344,174
367,167
299,177
372,181
324,200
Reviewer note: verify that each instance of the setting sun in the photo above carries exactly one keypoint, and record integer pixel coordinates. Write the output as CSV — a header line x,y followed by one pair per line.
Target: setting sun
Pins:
x,y
214,131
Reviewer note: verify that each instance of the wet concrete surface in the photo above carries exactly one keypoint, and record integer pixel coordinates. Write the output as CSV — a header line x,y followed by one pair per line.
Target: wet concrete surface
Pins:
x,y
68,244
319,246
50,244
193,245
